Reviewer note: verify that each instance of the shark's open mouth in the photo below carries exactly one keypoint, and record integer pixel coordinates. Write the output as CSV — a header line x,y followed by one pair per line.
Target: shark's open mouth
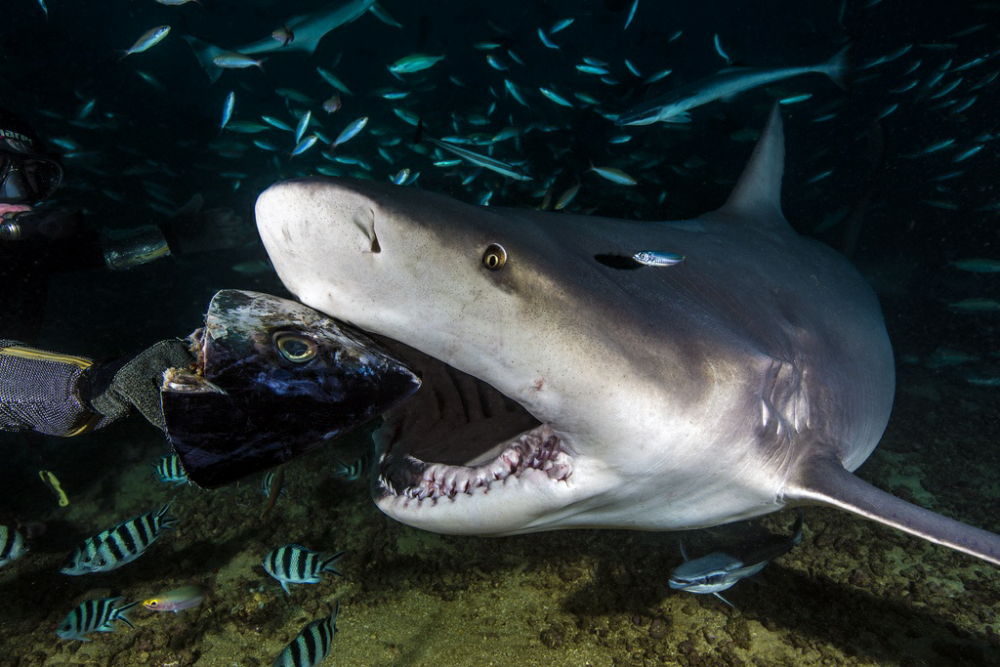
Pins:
x,y
460,436
538,449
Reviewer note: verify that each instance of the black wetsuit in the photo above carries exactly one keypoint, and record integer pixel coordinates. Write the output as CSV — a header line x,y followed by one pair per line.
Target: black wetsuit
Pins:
x,y
59,244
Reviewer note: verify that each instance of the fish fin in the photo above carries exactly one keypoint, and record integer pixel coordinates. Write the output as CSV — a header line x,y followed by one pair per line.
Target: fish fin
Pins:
x,y
418,133
837,67
682,117
284,587
724,600
797,528
205,53
757,194
823,481
328,565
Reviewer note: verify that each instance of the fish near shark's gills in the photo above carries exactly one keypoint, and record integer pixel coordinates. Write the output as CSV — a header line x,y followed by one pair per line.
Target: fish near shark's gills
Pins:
x,y
751,377
273,379
673,106
308,29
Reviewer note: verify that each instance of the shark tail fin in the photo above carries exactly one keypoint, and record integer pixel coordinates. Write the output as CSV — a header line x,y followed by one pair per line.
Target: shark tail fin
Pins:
x,y
758,192
837,67
823,481
205,53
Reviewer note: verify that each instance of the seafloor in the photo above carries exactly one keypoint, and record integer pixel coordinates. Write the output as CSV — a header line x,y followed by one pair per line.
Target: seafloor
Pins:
x,y
854,593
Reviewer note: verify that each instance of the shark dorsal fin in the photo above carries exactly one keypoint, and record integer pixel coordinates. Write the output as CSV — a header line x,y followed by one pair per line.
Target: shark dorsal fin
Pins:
x,y
757,195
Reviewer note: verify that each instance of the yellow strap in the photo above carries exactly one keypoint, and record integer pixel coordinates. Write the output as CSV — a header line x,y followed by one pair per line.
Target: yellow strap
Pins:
x,y
42,355
86,426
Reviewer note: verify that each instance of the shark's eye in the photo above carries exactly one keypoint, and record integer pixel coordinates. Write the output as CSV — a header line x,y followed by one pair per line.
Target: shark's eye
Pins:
x,y
494,257
295,347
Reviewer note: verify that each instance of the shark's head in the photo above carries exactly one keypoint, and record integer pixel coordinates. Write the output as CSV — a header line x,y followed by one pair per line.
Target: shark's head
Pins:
x,y
511,431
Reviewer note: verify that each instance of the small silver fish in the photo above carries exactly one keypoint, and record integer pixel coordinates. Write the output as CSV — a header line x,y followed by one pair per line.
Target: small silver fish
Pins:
x,y
350,131
414,63
233,60
303,125
614,175
227,109
149,39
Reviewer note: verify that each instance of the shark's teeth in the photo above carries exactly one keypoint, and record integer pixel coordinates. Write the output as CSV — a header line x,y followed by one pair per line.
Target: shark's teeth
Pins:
x,y
538,449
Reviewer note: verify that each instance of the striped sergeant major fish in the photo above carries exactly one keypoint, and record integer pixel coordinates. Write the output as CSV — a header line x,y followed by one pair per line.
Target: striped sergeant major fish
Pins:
x,y
312,644
673,107
12,545
168,469
94,616
294,564
119,545
351,472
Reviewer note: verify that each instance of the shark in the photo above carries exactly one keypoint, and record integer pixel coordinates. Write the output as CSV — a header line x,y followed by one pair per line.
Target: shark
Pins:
x,y
566,385
307,31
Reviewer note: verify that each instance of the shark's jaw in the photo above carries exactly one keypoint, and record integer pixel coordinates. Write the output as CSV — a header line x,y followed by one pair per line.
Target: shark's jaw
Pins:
x,y
488,467
406,487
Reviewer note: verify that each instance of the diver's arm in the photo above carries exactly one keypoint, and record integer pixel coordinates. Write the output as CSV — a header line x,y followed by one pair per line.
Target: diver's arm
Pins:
x,y
190,230
71,247
62,395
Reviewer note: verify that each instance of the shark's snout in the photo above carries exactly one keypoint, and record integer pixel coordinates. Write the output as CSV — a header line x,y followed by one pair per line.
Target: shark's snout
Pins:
x,y
300,213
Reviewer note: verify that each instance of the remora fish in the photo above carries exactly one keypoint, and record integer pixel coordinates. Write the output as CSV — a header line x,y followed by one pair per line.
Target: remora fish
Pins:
x,y
753,376
672,107
720,571
274,380
308,29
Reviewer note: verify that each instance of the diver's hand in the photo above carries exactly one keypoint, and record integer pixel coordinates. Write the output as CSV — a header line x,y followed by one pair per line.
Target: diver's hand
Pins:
x,y
192,230
116,387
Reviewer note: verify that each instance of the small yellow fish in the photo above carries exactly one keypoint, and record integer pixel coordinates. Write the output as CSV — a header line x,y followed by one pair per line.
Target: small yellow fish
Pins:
x,y
51,481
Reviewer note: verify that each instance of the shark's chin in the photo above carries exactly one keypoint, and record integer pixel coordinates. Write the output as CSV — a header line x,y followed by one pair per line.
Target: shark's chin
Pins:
x,y
500,495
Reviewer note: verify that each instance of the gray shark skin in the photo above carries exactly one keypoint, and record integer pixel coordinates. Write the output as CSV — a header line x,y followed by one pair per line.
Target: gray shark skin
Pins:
x,y
307,29
752,376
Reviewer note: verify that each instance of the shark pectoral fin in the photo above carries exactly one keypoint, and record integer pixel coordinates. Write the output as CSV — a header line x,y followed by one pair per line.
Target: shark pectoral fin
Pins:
x,y
682,117
824,481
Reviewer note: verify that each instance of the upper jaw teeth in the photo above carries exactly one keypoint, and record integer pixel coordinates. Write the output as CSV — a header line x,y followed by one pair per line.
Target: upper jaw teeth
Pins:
x,y
538,449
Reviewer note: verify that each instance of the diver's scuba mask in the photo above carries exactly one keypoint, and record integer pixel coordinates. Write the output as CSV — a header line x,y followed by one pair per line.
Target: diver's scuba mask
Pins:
x,y
25,180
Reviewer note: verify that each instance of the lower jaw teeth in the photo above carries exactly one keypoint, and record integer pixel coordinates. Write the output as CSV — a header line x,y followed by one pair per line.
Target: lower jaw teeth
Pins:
x,y
536,450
